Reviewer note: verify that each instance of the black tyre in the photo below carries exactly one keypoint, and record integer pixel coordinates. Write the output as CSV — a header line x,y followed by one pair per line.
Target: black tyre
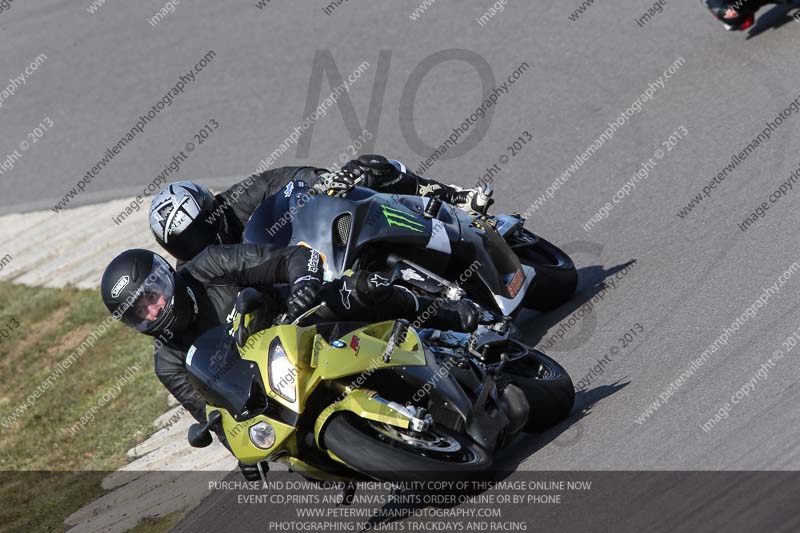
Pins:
x,y
556,277
547,387
388,453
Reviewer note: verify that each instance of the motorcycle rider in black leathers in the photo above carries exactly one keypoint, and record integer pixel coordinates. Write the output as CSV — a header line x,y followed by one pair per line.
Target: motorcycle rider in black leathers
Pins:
x,y
186,217
140,288
738,15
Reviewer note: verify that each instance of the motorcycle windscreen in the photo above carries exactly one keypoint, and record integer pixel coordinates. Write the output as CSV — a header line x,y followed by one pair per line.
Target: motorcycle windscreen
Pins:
x,y
271,222
222,377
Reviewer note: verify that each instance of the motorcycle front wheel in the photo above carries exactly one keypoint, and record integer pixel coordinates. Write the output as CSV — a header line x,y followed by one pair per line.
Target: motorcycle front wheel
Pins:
x,y
390,453
556,276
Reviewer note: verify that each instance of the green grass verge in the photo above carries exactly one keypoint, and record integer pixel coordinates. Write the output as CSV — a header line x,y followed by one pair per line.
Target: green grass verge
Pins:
x,y
162,523
64,459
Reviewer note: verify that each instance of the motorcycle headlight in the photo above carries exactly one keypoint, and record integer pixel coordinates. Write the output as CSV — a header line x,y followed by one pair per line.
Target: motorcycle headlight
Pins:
x,y
282,373
262,435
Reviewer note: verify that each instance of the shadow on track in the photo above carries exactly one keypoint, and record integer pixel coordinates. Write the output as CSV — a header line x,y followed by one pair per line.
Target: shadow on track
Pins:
x,y
591,282
507,461
526,444
773,19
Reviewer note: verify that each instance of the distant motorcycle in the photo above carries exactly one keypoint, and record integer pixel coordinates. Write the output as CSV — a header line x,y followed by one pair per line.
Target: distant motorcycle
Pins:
x,y
738,15
421,243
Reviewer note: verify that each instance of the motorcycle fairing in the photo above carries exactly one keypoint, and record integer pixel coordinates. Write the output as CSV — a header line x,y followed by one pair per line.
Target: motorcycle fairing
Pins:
x,y
365,218
507,223
223,378
238,435
363,404
478,411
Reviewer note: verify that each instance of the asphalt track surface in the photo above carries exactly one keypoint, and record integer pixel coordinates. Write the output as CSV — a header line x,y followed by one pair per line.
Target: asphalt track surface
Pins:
x,y
692,276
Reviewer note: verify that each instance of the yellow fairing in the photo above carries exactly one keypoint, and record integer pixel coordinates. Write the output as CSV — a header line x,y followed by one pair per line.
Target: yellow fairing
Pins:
x,y
297,343
314,360
238,435
363,404
363,352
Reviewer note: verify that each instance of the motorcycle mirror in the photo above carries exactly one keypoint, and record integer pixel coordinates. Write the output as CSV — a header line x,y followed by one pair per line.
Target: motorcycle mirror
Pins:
x,y
199,436
214,418
241,335
248,300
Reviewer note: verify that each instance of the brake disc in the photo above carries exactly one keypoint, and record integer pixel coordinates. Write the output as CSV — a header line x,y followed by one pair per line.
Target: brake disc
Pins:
x,y
426,440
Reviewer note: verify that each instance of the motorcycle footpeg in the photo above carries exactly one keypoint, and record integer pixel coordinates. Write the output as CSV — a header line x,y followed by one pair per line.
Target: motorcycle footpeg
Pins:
x,y
502,326
498,369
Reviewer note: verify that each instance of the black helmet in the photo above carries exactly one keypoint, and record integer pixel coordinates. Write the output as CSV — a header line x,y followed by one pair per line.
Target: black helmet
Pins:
x,y
185,218
142,290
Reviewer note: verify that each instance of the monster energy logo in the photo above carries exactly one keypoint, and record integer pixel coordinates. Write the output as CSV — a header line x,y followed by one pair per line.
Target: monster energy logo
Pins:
x,y
402,219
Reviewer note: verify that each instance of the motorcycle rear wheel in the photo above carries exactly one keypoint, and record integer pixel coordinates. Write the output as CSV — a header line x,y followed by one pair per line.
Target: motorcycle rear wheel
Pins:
x,y
389,453
546,385
556,276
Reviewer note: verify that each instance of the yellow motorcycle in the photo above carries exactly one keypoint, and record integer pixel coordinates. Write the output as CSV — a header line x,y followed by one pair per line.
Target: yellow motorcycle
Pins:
x,y
344,401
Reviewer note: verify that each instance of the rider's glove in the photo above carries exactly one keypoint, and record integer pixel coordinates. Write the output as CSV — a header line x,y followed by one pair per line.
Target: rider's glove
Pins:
x,y
475,200
377,170
303,296
371,171
338,182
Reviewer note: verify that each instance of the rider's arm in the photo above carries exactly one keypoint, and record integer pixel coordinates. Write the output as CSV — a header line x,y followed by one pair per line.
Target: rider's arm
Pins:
x,y
243,198
171,371
255,265
384,176
406,182
409,183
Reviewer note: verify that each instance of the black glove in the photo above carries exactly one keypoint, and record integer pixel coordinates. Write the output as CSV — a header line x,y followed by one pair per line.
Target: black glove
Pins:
x,y
372,171
378,171
338,182
304,296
